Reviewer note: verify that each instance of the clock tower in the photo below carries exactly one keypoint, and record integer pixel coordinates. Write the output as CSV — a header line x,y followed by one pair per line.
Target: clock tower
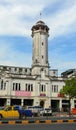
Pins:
x,y
40,33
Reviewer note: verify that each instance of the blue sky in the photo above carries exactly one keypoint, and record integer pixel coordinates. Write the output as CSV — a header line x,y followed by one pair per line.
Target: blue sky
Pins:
x,y
16,20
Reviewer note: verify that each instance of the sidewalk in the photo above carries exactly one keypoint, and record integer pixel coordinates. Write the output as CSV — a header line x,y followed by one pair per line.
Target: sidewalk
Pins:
x,y
62,114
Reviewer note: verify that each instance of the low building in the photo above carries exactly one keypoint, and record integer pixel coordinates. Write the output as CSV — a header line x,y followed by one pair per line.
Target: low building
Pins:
x,y
69,73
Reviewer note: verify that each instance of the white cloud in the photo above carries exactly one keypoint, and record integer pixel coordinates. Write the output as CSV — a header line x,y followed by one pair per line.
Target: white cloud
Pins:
x,y
63,22
15,15
18,16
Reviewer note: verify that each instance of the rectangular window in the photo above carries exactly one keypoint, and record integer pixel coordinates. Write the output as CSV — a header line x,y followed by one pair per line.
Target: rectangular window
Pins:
x,y
43,88
42,57
54,88
25,70
31,87
4,86
26,87
16,87
19,87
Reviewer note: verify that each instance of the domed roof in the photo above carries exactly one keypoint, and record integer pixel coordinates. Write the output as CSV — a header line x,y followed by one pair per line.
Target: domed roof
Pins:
x,y
40,23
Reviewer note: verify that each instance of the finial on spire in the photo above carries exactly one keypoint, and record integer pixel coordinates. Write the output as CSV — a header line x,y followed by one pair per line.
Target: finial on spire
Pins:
x,y
40,15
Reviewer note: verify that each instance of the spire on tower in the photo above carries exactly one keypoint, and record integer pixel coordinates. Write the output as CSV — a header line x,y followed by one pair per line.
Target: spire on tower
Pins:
x,y
40,15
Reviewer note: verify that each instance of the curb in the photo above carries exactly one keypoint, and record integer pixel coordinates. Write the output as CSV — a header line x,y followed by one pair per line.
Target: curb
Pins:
x,y
12,122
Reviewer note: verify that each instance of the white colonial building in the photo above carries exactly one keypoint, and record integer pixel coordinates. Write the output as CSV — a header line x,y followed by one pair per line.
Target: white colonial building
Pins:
x,y
35,86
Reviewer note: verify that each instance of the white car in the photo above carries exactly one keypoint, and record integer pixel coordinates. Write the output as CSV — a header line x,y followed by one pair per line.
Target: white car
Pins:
x,y
35,110
46,112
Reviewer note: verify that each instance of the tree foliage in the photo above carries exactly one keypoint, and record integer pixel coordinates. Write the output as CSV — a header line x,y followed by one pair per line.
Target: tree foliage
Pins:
x,y
70,88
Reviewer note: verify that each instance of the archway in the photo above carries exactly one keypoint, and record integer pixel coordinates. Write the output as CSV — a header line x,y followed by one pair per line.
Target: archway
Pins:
x,y
42,103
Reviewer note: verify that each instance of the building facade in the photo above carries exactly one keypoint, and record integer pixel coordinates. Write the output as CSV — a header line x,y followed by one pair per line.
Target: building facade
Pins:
x,y
35,86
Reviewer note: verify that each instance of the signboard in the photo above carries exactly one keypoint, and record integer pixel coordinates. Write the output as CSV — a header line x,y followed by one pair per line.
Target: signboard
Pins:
x,y
60,95
42,94
22,93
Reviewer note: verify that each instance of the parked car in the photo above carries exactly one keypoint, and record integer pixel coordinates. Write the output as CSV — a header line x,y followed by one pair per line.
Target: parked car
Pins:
x,y
14,112
35,110
1,108
39,108
46,112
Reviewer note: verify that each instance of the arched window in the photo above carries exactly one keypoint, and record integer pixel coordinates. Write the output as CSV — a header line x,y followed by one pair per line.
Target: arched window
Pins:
x,y
42,43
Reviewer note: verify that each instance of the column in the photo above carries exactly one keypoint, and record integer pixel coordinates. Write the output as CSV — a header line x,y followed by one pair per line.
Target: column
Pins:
x,y
8,86
38,86
72,103
60,104
47,103
22,102
8,102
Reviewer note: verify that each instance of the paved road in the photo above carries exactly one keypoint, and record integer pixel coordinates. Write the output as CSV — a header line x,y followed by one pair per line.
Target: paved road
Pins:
x,y
65,126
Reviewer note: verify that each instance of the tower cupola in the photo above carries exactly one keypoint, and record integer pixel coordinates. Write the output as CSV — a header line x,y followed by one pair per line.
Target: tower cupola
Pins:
x,y
40,25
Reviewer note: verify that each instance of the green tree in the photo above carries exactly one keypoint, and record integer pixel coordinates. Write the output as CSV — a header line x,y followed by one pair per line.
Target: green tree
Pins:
x,y
69,90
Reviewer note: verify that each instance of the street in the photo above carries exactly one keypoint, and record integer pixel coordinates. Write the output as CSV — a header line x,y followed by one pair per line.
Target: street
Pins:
x,y
64,126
